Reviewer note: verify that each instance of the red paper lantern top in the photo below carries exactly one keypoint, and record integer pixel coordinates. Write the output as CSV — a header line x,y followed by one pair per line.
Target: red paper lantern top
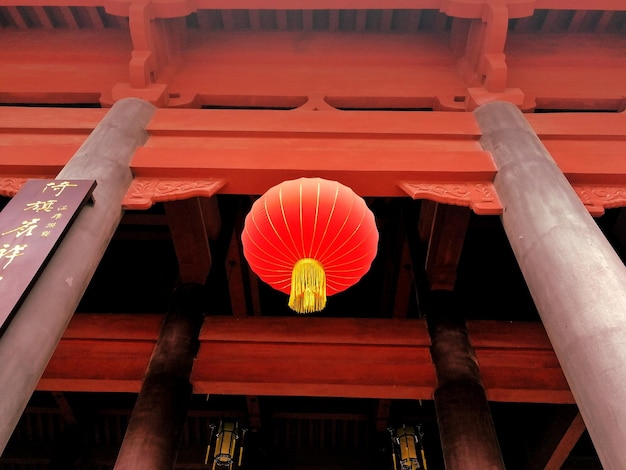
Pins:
x,y
310,219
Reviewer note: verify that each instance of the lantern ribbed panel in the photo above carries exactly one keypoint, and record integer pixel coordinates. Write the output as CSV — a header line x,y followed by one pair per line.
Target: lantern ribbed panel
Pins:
x,y
310,218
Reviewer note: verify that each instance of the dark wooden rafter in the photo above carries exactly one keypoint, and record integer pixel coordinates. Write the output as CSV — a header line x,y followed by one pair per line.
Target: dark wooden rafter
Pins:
x,y
383,411
65,408
254,412
68,17
446,232
95,20
42,17
235,276
242,282
393,258
16,17
188,221
556,441
405,287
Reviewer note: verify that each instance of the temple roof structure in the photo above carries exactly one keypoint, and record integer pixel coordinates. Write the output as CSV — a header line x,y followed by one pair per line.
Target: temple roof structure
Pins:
x,y
375,94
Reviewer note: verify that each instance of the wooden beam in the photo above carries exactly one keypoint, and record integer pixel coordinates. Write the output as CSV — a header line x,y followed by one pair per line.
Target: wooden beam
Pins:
x,y
557,439
368,172
306,356
37,142
273,357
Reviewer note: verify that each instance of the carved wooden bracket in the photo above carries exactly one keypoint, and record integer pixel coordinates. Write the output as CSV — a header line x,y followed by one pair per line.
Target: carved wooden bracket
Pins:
x,y
144,192
597,198
481,197
9,186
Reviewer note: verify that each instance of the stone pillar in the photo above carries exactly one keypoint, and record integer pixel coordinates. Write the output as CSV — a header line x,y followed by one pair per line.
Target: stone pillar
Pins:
x,y
468,436
576,279
32,335
155,428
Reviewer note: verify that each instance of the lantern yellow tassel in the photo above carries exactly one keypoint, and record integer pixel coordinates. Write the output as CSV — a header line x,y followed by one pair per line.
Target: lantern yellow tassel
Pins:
x,y
308,286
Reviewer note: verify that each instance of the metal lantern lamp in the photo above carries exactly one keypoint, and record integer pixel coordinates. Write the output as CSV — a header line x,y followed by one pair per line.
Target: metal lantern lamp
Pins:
x,y
407,448
310,238
226,441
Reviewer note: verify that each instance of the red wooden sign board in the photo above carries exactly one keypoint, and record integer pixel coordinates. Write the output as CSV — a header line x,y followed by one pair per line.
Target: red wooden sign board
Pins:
x,y
32,224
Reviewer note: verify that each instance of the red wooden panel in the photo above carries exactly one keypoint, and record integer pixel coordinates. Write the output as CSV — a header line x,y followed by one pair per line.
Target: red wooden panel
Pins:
x,y
316,331
312,371
36,161
578,126
330,355
31,119
90,365
368,172
527,384
378,125
513,335
590,161
138,327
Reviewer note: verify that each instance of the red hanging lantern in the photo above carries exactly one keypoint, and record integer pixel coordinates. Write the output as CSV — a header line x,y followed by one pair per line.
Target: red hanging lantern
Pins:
x,y
310,238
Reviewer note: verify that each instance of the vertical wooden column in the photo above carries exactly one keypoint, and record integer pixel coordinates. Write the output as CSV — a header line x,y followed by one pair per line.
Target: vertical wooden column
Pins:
x,y
468,436
155,428
576,279
31,337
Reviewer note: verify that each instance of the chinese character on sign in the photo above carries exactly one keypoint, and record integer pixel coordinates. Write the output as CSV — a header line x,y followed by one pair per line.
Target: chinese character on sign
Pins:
x,y
25,229
57,187
11,252
39,206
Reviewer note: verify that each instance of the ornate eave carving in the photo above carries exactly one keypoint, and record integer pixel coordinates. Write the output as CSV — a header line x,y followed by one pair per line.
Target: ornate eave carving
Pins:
x,y
144,192
481,197
597,198
10,185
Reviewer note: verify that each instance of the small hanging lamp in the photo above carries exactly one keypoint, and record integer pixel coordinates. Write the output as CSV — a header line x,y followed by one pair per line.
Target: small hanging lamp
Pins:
x,y
310,238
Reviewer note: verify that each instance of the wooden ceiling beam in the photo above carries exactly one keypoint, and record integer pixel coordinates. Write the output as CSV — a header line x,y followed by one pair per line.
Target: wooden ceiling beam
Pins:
x,y
355,357
432,156
368,171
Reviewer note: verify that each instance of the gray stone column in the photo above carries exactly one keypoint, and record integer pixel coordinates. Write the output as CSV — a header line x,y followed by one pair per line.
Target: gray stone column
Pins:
x,y
576,279
32,336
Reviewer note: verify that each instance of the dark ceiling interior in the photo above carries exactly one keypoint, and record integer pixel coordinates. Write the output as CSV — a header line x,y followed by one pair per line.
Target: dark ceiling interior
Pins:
x,y
138,275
